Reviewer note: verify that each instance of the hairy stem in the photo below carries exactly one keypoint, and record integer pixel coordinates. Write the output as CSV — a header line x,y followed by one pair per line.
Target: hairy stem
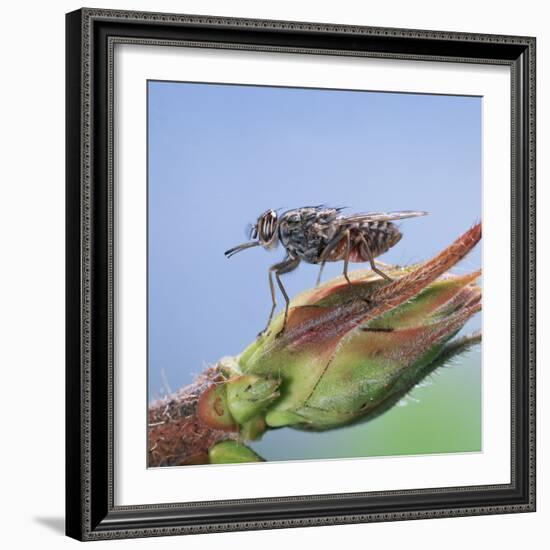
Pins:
x,y
176,435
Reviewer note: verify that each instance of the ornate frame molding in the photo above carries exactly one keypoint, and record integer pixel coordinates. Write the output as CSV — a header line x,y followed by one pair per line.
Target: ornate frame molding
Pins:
x,y
91,35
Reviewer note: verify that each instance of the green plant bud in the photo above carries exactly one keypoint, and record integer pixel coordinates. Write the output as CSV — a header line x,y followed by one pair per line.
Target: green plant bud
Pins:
x,y
232,452
253,429
349,349
249,395
213,410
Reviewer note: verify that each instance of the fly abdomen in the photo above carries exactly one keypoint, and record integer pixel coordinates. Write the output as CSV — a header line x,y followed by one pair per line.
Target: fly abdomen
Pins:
x,y
380,236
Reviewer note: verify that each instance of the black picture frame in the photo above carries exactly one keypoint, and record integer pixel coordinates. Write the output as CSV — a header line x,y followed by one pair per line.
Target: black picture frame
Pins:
x,y
90,511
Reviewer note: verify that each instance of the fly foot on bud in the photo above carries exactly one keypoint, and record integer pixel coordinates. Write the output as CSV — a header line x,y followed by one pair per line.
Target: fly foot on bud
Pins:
x,y
383,275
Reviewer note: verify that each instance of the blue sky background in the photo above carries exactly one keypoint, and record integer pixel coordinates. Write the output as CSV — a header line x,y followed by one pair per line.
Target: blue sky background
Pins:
x,y
219,155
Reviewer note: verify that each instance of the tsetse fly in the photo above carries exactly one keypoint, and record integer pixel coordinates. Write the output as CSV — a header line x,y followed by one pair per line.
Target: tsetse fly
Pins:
x,y
320,234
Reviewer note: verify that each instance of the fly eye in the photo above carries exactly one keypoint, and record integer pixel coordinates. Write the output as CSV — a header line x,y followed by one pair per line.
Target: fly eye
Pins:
x,y
267,228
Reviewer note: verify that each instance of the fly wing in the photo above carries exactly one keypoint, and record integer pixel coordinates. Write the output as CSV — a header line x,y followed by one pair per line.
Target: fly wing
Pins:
x,y
379,216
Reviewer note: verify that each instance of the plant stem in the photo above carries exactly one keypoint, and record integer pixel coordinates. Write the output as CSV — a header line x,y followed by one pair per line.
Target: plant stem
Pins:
x,y
176,435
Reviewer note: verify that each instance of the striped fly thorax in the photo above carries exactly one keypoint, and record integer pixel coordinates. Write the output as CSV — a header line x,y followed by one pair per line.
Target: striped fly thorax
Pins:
x,y
305,232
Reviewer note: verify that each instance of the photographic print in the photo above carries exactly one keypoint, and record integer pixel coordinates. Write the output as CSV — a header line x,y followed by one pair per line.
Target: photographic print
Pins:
x,y
314,273
300,274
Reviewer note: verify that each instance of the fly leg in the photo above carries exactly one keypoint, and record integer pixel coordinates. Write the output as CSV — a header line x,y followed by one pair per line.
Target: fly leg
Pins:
x,y
346,257
331,245
320,273
273,301
287,265
371,259
291,265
